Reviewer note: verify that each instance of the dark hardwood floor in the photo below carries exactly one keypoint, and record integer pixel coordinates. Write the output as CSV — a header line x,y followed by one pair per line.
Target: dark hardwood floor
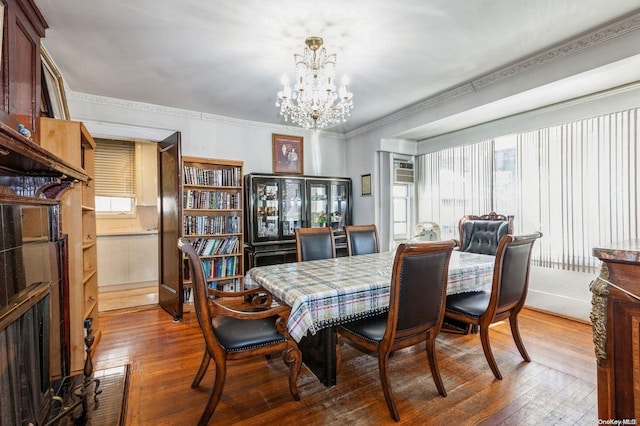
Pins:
x,y
557,388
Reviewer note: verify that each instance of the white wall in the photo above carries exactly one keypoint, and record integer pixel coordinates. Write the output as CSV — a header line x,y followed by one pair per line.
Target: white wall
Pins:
x,y
126,259
359,153
119,255
563,292
324,154
206,135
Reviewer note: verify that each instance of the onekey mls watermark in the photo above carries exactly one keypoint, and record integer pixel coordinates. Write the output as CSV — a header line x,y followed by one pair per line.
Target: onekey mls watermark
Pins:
x,y
617,421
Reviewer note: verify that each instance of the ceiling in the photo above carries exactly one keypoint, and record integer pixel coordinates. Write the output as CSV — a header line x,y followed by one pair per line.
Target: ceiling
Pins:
x,y
227,58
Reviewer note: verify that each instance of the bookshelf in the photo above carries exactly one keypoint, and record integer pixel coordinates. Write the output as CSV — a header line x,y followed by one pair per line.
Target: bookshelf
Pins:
x,y
70,140
212,220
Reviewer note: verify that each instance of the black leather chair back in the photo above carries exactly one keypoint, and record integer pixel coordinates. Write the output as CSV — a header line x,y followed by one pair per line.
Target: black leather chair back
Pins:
x,y
315,244
362,239
483,236
515,273
423,282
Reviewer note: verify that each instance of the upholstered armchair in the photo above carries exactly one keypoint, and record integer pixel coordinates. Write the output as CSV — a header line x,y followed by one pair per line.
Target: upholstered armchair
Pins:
x,y
482,234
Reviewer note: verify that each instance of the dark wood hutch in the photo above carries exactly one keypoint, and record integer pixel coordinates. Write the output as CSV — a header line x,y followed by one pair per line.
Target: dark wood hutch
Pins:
x,y
24,26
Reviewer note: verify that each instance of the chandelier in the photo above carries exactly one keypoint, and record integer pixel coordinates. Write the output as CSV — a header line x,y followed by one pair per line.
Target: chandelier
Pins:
x,y
313,102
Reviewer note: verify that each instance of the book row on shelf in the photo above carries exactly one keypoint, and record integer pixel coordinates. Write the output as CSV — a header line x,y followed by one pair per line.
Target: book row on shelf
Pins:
x,y
213,246
217,269
194,225
196,199
208,177
220,267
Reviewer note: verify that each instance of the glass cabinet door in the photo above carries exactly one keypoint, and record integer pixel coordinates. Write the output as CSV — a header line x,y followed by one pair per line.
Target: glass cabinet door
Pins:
x,y
318,204
339,209
267,212
292,207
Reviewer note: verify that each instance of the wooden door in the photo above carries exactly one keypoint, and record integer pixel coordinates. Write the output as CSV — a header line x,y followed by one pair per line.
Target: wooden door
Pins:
x,y
169,225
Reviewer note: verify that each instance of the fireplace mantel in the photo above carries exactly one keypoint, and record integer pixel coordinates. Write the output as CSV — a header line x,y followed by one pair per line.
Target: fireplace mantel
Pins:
x,y
21,156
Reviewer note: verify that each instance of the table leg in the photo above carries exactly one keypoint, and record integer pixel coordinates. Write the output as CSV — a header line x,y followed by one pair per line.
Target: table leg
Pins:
x,y
319,354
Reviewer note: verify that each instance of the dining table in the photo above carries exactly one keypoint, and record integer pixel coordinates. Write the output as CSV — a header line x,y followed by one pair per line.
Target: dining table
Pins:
x,y
328,292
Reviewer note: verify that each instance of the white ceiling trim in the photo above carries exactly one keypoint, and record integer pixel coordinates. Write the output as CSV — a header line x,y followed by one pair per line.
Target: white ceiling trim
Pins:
x,y
191,115
590,40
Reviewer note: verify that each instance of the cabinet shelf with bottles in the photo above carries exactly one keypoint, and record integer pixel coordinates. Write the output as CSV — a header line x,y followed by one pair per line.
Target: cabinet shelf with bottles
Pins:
x,y
212,220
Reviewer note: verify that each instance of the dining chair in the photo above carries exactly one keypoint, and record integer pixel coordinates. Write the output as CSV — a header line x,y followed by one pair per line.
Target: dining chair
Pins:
x,y
416,310
482,234
231,334
506,298
315,244
362,239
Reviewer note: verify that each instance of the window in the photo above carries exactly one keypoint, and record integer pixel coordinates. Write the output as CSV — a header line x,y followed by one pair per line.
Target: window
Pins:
x,y
577,183
452,183
115,177
401,203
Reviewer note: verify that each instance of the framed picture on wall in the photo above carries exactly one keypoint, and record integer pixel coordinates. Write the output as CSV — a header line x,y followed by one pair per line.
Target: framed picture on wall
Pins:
x,y
365,182
54,101
287,154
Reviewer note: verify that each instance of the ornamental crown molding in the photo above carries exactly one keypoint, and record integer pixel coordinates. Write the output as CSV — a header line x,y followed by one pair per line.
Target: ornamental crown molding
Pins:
x,y
132,105
590,40
189,114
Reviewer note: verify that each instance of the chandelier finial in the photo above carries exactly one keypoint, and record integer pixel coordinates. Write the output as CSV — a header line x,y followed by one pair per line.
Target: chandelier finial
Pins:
x,y
313,101
314,43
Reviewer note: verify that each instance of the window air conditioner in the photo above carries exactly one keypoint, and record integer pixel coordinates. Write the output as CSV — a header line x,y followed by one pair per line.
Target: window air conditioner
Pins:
x,y
402,172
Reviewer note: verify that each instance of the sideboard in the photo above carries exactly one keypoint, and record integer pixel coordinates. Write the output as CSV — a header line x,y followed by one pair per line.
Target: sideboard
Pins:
x,y
615,317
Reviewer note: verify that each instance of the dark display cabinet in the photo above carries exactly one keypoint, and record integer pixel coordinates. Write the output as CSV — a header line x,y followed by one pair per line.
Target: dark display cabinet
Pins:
x,y
277,204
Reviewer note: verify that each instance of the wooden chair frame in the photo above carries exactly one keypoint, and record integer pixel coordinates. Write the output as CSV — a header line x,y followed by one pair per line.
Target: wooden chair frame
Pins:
x,y
489,216
495,312
207,308
393,339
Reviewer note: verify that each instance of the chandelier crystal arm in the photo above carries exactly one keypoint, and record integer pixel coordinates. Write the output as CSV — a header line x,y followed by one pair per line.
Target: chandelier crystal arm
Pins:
x,y
313,102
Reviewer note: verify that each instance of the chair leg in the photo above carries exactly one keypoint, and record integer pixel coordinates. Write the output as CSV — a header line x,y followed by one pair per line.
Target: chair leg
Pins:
x,y
433,363
383,365
204,364
486,347
214,395
515,332
292,357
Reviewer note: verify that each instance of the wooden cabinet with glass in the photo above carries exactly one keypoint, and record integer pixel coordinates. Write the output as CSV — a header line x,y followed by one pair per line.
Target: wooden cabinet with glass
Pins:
x,y
212,220
278,204
71,140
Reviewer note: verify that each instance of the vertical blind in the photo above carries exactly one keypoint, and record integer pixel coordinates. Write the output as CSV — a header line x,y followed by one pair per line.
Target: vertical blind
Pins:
x,y
577,183
454,182
115,168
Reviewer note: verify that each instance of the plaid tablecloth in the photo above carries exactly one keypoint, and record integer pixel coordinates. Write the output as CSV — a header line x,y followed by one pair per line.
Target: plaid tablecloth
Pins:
x,y
326,292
